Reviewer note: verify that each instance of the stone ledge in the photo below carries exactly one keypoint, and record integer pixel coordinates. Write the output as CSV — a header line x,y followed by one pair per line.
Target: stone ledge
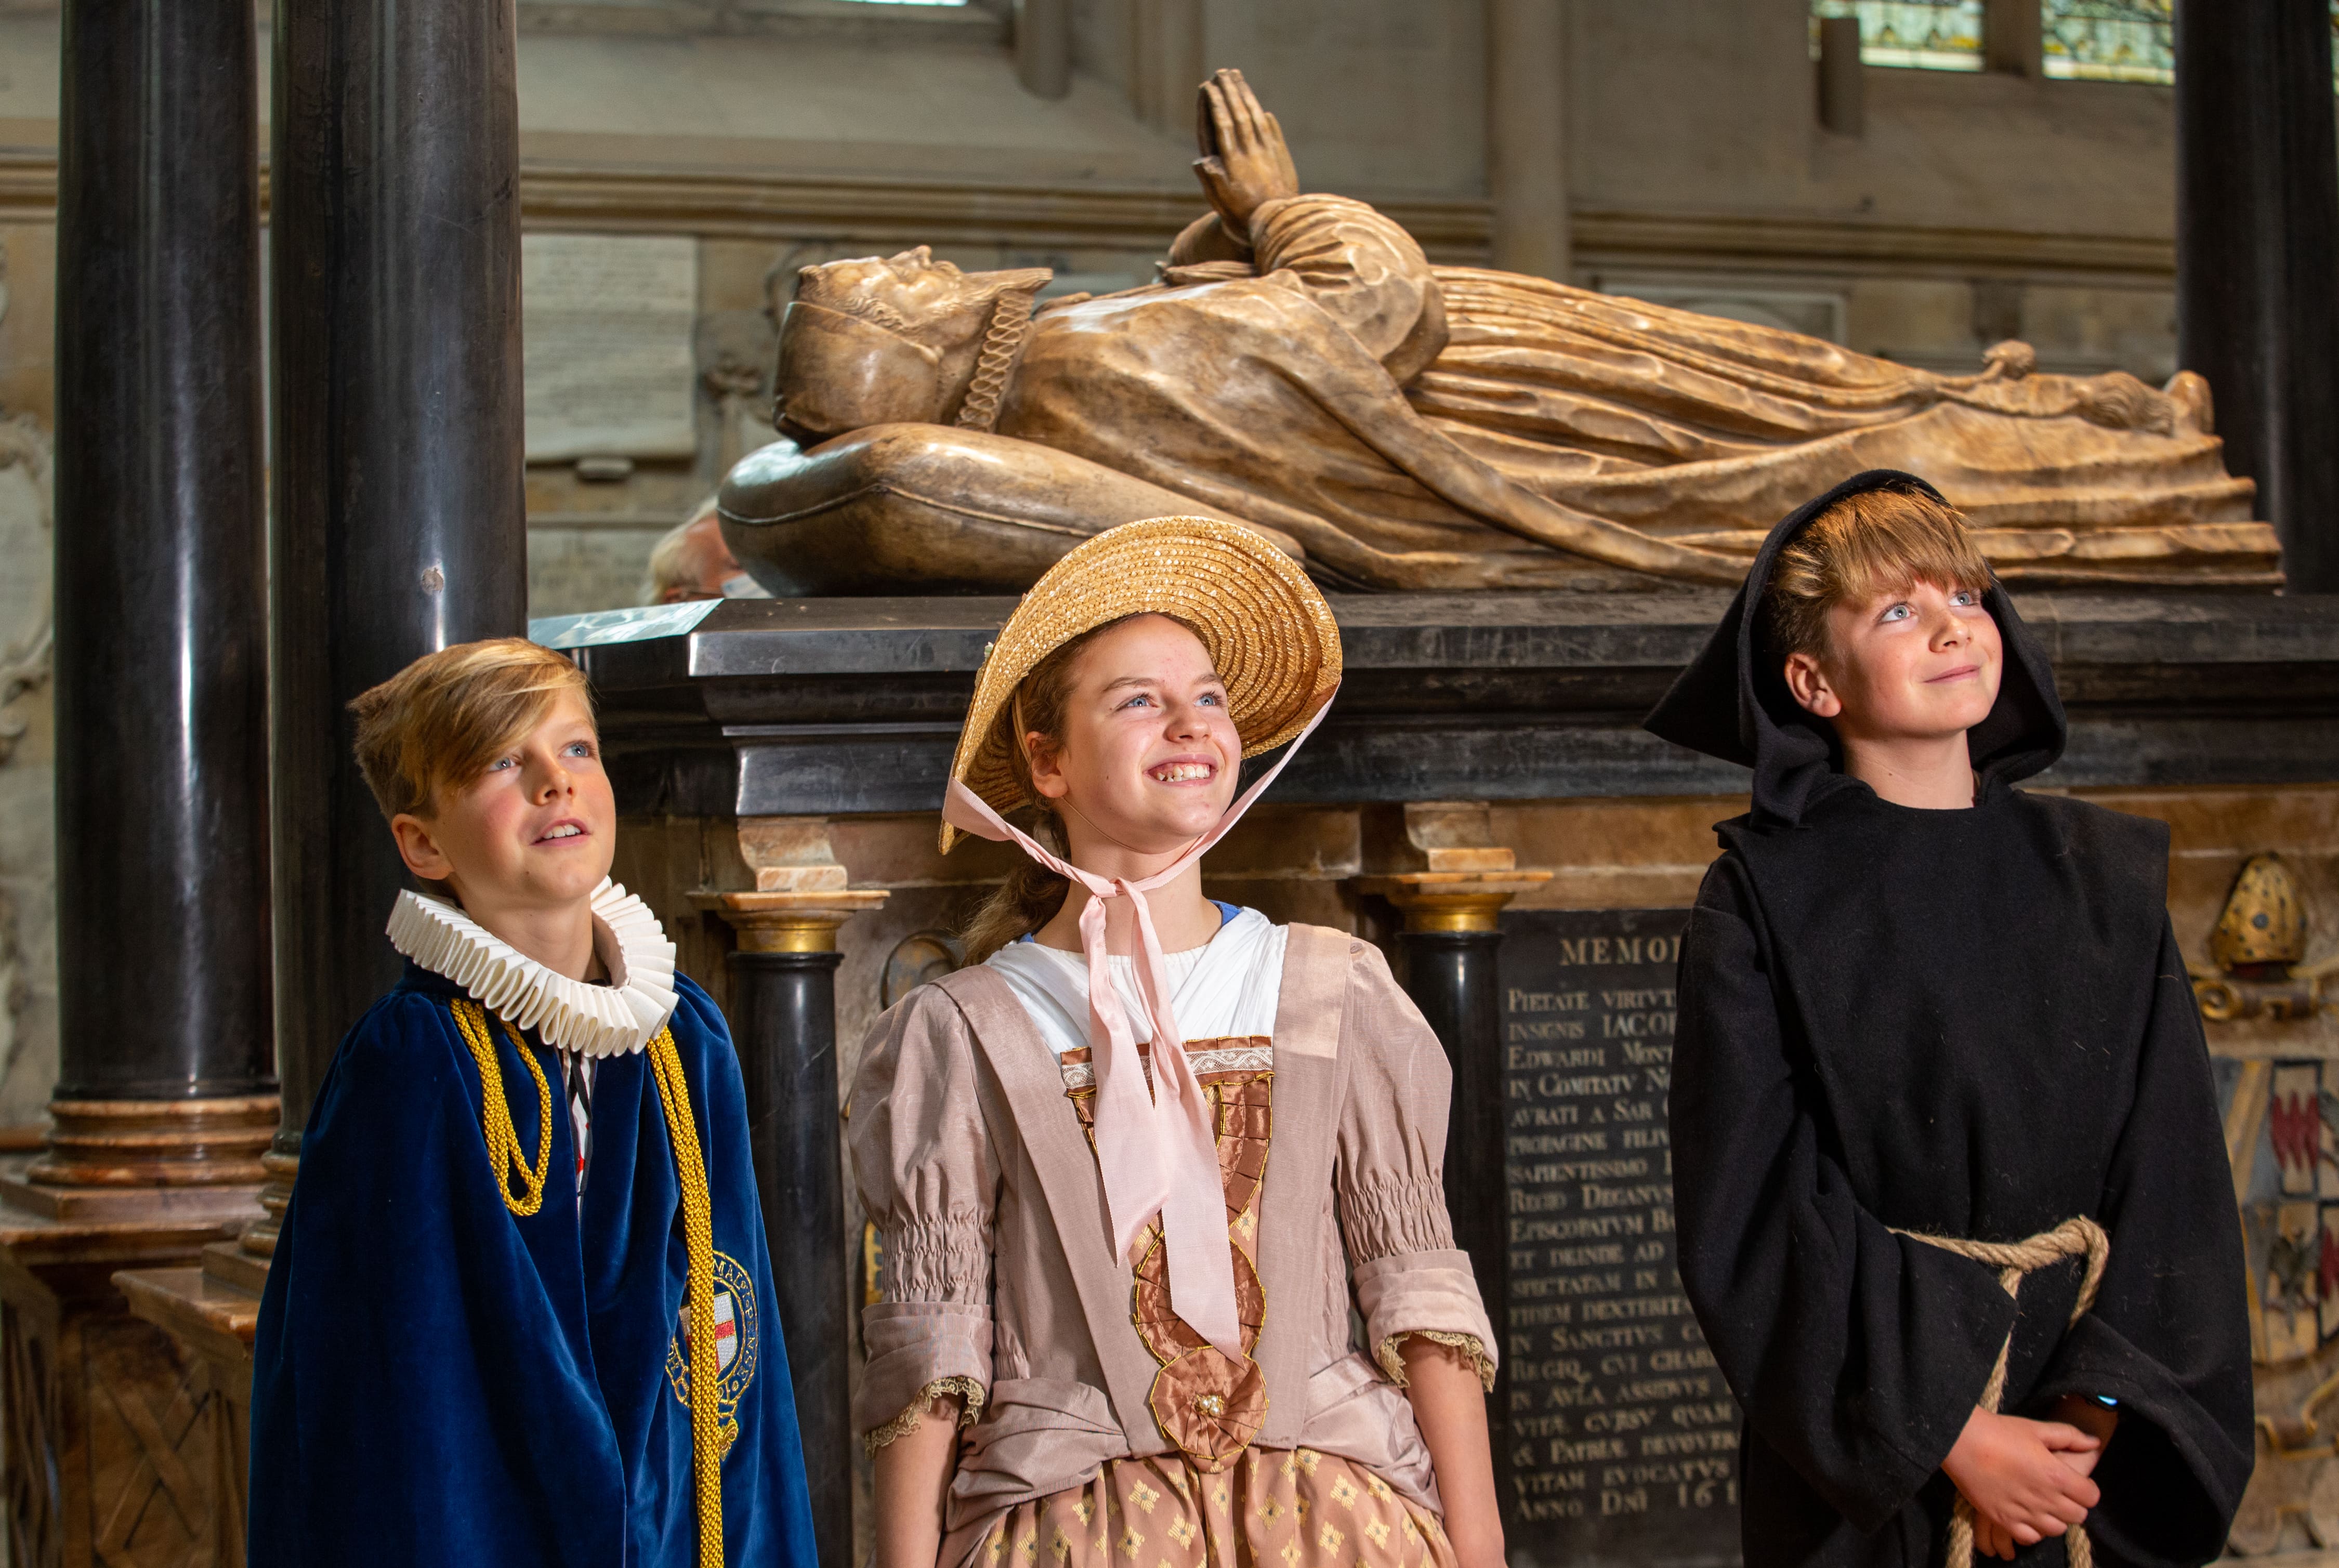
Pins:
x,y
216,1319
850,706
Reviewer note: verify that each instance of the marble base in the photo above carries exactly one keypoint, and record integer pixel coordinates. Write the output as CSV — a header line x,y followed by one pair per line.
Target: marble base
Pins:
x,y
119,1441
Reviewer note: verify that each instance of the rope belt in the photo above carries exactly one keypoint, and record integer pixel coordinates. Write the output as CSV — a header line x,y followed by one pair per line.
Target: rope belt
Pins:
x,y
710,1441
2075,1237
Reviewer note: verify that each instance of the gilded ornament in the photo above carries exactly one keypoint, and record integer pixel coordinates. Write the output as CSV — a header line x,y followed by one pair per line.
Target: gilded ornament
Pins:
x,y
2262,922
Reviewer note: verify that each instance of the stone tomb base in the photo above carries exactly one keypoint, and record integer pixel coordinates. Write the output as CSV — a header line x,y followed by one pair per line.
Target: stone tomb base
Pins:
x,y
1332,865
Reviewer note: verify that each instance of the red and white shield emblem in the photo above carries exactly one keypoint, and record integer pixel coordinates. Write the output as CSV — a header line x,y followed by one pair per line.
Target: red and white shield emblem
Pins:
x,y
726,1332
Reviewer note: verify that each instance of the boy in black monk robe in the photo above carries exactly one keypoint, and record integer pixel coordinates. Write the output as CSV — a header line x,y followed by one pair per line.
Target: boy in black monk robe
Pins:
x,y
1922,1009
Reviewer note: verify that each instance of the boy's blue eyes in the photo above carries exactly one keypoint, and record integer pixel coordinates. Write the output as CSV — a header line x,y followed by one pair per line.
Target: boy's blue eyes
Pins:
x,y
1964,598
574,748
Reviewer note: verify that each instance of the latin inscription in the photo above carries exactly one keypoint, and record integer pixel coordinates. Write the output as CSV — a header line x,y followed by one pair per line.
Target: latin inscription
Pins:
x,y
606,355
1623,1439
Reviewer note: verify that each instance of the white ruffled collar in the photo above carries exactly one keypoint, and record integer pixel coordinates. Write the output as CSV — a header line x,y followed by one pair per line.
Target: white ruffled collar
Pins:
x,y
613,1020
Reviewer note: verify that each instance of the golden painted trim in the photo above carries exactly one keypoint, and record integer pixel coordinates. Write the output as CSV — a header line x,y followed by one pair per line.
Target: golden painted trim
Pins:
x,y
789,921
791,935
2243,1119
1453,912
1452,900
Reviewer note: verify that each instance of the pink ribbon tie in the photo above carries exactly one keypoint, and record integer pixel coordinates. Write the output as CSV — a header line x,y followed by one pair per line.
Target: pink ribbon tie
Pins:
x,y
1157,1152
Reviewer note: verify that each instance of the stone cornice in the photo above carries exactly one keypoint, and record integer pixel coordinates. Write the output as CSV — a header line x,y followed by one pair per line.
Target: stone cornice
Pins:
x,y
818,708
783,205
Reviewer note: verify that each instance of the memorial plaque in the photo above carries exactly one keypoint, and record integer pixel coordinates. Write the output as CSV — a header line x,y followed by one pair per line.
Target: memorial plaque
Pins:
x,y
606,325
1623,1437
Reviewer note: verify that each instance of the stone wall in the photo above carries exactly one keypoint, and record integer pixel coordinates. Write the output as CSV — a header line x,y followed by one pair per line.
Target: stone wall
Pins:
x,y
29,980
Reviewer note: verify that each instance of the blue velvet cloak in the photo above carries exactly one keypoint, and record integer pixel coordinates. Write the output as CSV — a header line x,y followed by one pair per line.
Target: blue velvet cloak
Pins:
x,y
437,1380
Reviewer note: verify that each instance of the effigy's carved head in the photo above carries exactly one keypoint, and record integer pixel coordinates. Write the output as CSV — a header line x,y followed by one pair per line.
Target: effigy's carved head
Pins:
x,y
895,338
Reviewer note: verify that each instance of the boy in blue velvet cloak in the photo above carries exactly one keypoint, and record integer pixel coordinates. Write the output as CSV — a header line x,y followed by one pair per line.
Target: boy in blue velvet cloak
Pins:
x,y
501,1300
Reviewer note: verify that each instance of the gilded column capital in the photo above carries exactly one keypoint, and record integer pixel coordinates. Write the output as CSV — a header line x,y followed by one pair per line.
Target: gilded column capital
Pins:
x,y
789,921
1439,863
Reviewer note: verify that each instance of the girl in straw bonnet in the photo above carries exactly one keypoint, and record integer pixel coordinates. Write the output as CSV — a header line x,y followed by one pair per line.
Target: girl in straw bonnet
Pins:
x,y
1136,1164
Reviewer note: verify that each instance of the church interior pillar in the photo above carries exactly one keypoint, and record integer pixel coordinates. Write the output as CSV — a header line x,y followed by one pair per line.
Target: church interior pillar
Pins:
x,y
783,1021
162,633
165,1095
400,521
1043,47
2013,41
1438,863
1526,135
2258,245
398,528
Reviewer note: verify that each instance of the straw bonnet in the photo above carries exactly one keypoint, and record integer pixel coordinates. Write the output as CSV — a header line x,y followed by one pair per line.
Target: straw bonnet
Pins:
x,y
1270,633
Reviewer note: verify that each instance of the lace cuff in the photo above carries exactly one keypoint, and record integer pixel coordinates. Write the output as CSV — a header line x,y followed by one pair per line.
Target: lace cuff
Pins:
x,y
968,1390
1472,1348
915,1349
1432,1294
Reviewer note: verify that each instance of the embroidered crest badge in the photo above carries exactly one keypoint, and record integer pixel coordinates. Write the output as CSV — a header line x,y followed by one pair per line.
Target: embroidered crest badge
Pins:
x,y
736,1341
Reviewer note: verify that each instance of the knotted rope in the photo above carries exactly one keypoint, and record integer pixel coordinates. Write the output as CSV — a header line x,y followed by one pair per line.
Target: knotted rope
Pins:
x,y
2075,1237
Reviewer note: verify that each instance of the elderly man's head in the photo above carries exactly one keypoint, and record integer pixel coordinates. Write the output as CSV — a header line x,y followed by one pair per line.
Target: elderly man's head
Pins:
x,y
890,340
692,562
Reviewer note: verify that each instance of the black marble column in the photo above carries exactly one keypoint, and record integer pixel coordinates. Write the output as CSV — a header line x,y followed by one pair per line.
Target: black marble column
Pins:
x,y
1449,972
2257,253
400,519
784,1018
162,773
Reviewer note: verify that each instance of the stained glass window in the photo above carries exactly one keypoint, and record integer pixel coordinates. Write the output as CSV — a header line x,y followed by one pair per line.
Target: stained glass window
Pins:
x,y
2110,40
1926,34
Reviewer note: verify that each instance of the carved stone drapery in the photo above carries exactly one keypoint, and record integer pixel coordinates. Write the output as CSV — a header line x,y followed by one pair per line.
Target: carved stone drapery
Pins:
x,y
1303,369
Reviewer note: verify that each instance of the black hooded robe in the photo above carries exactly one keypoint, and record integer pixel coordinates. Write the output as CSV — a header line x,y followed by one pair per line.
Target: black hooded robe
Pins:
x,y
1971,1023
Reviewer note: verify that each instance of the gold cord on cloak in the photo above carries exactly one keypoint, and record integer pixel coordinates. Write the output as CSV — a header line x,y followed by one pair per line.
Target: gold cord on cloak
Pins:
x,y
504,1156
709,1439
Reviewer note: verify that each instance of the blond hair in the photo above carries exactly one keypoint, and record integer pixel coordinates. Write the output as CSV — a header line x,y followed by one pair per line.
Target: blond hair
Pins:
x,y
437,723
1875,542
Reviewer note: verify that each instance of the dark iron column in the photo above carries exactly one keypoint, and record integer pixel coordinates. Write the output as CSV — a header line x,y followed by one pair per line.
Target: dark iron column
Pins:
x,y
161,780
1449,944
2257,250
784,1020
1449,972
164,1099
786,1002
399,519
